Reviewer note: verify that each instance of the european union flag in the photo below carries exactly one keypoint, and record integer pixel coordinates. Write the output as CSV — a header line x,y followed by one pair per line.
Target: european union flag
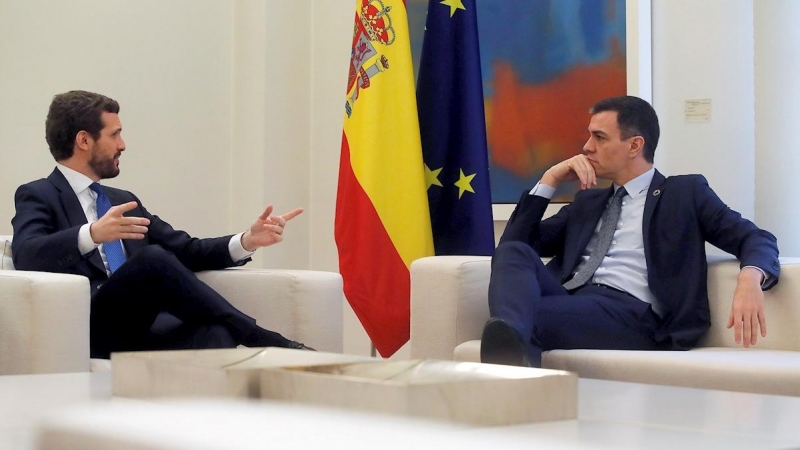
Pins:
x,y
453,129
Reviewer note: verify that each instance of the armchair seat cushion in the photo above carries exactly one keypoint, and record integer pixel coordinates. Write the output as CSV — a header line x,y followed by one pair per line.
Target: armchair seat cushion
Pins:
x,y
731,369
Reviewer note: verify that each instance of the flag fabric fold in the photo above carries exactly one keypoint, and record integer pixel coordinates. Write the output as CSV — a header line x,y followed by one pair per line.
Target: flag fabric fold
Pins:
x,y
453,130
382,219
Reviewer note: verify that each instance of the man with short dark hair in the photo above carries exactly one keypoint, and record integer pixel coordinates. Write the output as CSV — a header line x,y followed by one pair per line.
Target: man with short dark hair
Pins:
x,y
628,268
145,295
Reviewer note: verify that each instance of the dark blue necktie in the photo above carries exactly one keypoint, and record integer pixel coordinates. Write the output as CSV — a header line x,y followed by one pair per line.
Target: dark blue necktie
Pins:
x,y
114,254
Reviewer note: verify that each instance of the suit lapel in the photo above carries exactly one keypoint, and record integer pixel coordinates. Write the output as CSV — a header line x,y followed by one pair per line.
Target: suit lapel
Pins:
x,y
653,196
113,197
72,206
74,211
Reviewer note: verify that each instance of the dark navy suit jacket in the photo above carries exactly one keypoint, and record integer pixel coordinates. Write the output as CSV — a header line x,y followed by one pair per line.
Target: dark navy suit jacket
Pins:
x,y
49,215
681,214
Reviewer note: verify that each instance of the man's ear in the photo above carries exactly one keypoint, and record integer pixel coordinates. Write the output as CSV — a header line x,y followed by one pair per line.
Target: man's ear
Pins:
x,y
637,146
83,140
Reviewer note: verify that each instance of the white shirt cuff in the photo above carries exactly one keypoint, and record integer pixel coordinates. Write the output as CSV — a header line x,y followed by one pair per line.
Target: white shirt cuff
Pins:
x,y
766,277
543,190
85,242
236,250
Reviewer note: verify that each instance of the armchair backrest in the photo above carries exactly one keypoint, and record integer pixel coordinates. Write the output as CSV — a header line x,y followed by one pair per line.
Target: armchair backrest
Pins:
x,y
6,262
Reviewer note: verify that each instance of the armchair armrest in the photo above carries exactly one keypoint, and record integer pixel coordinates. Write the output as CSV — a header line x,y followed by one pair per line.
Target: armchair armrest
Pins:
x,y
449,303
44,322
303,305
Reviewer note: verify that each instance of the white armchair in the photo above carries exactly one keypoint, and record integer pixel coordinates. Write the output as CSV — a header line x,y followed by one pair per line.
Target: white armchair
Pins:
x,y
449,306
44,317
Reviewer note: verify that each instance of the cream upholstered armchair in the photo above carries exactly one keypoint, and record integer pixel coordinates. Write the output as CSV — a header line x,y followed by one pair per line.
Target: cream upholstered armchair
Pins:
x,y
44,317
449,306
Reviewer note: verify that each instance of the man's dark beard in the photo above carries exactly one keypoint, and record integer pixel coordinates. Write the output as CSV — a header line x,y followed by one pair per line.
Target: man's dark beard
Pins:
x,y
104,168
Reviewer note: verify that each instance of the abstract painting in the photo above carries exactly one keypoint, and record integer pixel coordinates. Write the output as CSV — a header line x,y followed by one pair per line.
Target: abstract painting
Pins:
x,y
544,63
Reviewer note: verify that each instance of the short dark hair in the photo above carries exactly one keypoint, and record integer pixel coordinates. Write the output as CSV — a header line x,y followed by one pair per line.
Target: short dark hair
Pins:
x,y
635,117
71,113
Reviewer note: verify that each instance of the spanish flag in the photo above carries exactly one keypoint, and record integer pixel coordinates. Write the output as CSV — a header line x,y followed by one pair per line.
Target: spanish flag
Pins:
x,y
382,218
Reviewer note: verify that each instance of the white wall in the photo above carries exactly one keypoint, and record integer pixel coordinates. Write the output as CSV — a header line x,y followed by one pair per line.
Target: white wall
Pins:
x,y
249,113
332,35
215,117
777,71
704,49
167,63
330,56
270,143
290,73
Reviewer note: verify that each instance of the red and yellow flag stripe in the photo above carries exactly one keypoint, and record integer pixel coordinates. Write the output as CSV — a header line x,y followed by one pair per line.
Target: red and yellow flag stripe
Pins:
x,y
382,218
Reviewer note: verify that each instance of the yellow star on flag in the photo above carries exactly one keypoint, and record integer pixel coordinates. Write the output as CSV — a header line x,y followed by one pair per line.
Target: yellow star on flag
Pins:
x,y
463,183
432,177
454,5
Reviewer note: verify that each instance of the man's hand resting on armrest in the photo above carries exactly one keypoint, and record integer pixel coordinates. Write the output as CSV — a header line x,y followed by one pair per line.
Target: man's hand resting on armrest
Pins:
x,y
747,312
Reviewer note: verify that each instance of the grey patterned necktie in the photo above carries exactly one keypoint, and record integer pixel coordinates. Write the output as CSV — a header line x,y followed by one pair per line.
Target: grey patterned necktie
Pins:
x,y
604,237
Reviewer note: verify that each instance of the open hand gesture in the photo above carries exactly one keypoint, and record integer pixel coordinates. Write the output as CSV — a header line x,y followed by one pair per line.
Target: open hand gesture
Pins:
x,y
113,225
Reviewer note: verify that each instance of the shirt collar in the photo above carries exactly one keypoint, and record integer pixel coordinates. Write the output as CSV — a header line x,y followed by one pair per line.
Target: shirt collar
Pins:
x,y
77,181
639,184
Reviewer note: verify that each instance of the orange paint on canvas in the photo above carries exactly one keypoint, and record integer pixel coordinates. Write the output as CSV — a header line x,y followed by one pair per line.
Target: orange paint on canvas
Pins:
x,y
534,126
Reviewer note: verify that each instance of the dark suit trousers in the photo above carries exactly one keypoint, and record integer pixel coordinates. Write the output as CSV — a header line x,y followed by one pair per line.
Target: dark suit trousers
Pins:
x,y
153,302
524,293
